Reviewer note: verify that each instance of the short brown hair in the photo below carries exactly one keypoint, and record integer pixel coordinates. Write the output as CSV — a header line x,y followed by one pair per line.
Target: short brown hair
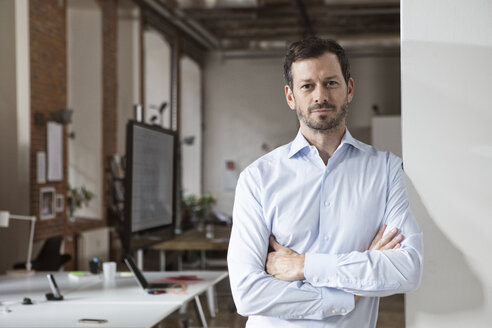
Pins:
x,y
314,47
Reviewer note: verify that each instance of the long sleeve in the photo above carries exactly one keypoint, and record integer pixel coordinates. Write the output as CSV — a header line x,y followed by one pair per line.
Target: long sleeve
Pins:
x,y
254,291
376,273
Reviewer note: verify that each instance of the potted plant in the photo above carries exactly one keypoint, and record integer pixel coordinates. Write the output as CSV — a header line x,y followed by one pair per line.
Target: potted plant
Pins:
x,y
198,208
76,198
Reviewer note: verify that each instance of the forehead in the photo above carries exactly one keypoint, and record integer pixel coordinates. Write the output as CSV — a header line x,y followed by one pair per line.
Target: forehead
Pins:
x,y
322,66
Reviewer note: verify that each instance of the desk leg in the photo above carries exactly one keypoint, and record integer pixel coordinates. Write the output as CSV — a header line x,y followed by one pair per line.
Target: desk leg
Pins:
x,y
180,262
140,259
203,260
199,309
162,260
212,301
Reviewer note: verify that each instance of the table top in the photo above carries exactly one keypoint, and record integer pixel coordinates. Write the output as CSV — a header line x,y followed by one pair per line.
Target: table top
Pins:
x,y
197,240
67,314
90,297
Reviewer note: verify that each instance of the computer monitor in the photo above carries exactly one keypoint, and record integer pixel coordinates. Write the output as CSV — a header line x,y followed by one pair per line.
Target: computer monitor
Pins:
x,y
149,180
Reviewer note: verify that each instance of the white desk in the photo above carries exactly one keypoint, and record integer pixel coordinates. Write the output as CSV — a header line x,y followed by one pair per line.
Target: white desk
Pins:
x,y
92,298
67,314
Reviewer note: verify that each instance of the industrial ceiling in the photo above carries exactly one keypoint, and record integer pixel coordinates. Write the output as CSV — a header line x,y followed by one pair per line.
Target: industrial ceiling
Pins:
x,y
249,27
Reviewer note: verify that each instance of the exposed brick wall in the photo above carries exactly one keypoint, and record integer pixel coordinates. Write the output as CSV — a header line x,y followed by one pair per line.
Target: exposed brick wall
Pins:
x,y
48,61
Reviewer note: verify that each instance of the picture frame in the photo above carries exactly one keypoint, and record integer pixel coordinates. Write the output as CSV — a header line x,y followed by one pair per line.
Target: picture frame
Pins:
x,y
59,203
47,206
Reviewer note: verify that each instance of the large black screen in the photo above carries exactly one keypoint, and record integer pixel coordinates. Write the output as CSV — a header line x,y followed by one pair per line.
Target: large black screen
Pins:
x,y
149,192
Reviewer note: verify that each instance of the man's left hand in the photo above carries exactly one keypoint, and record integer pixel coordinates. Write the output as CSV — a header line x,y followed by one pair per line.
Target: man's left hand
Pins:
x,y
284,263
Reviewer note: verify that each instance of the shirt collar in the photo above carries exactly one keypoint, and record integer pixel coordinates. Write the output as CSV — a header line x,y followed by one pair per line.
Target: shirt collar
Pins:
x,y
300,143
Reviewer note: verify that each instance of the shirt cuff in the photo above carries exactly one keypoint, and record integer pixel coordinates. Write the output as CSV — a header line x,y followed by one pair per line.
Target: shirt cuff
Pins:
x,y
320,269
337,302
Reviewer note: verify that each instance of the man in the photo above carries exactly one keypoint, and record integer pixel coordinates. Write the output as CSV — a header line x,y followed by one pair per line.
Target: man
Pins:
x,y
335,212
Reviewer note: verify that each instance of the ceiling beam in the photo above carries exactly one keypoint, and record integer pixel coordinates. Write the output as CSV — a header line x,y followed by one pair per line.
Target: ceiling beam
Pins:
x,y
197,33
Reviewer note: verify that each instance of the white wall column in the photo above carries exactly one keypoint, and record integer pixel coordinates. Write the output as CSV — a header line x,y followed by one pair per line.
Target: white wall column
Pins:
x,y
128,67
14,127
191,126
84,63
447,151
157,62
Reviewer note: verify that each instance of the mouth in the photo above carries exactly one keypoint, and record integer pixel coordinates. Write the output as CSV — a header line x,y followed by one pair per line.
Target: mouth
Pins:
x,y
323,111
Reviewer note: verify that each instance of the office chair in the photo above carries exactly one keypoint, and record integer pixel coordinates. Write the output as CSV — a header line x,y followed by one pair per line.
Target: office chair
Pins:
x,y
49,258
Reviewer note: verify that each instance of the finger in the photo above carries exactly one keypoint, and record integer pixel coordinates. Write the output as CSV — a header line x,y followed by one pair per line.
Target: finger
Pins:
x,y
278,247
380,233
388,237
392,243
274,244
378,236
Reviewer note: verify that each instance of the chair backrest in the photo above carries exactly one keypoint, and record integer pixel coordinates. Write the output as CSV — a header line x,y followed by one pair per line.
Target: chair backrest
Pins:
x,y
49,257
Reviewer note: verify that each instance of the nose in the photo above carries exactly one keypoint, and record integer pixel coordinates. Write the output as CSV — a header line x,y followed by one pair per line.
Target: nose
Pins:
x,y
321,95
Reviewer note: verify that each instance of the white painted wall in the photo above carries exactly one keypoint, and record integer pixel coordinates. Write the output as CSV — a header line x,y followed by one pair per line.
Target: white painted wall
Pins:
x,y
386,133
84,64
377,82
14,127
191,125
90,244
157,62
128,48
245,108
447,149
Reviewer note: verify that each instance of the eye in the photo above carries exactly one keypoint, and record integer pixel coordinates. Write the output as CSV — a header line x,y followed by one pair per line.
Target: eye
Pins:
x,y
306,86
332,83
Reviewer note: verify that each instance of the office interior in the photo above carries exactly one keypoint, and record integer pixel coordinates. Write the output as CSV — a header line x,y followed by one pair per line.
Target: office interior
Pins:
x,y
421,71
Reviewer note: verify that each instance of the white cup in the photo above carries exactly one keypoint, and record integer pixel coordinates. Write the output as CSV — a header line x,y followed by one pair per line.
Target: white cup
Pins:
x,y
4,219
109,271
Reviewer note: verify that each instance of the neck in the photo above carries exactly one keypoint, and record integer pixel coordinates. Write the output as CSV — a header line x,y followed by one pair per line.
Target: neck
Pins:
x,y
326,141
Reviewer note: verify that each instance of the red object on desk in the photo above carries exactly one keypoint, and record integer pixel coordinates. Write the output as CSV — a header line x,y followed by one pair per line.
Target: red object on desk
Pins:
x,y
182,279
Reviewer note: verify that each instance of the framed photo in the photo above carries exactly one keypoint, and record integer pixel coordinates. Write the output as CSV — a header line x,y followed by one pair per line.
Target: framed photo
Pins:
x,y
59,202
47,203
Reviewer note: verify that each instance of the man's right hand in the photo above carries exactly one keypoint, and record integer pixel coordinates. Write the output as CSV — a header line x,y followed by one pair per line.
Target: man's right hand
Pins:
x,y
390,241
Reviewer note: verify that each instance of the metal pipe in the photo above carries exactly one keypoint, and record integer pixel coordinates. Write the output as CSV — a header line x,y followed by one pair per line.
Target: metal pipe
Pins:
x,y
195,32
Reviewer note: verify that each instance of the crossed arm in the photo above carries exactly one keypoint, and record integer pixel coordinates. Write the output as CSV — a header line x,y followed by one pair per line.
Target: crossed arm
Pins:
x,y
287,265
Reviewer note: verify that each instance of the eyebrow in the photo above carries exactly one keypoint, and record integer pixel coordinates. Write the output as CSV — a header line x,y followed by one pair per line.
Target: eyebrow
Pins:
x,y
331,77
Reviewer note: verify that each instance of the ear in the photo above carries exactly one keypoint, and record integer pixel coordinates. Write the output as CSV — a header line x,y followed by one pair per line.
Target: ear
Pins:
x,y
289,96
350,89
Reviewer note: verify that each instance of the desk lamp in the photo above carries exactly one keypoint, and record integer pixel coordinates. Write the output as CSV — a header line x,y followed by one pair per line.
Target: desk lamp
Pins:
x,y
5,216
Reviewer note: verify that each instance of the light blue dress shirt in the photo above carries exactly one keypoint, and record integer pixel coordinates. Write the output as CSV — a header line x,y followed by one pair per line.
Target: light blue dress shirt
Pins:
x,y
331,213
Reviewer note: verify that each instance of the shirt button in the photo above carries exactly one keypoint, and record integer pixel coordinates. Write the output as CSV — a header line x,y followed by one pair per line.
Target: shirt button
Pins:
x,y
315,279
300,317
327,204
333,311
343,310
327,238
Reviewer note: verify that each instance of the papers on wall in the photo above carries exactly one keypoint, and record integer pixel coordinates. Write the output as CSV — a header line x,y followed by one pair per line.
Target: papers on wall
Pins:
x,y
41,166
55,151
